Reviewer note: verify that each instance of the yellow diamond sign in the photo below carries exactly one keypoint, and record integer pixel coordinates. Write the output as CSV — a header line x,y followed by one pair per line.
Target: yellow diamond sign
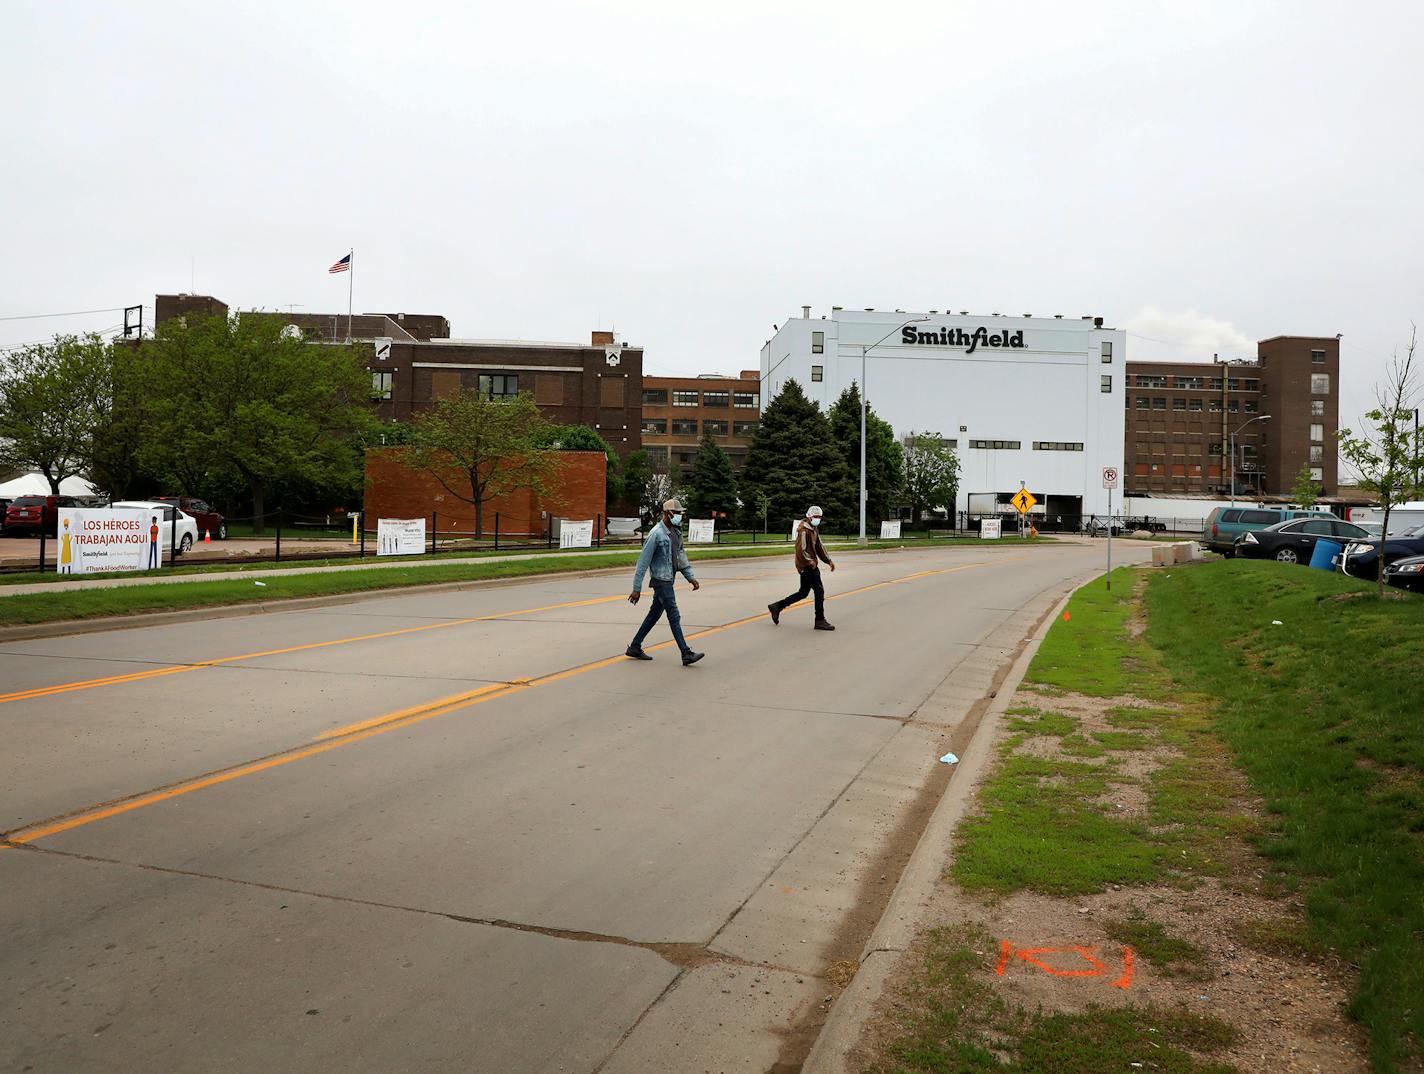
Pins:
x,y
1023,500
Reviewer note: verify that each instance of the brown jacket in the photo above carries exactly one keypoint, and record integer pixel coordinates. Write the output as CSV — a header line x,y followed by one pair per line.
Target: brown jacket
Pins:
x,y
809,548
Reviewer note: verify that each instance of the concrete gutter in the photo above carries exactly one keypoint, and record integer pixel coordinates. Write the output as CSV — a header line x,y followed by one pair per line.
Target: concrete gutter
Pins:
x,y
905,915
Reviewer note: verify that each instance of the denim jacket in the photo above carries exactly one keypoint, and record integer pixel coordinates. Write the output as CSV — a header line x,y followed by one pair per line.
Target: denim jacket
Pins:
x,y
658,553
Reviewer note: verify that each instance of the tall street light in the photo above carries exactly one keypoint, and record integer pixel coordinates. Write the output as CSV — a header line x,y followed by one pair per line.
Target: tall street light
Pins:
x,y
1259,417
864,350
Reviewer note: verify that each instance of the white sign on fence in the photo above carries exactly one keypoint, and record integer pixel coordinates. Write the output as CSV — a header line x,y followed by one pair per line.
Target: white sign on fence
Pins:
x,y
989,529
105,541
701,530
575,534
890,531
400,536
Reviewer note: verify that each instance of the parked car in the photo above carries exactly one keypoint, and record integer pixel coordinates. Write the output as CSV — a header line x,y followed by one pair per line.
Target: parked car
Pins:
x,y
1293,541
164,512
28,515
1225,524
1407,573
208,520
1361,559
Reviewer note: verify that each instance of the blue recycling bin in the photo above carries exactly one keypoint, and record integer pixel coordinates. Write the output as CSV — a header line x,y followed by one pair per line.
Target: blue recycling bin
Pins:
x,y
1323,558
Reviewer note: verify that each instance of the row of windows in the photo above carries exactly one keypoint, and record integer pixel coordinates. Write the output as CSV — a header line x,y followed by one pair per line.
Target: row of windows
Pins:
x,y
1159,380
1213,406
1055,445
688,427
681,397
996,445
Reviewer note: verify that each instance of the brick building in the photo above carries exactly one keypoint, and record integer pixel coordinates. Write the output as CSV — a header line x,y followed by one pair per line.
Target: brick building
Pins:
x,y
1281,409
677,411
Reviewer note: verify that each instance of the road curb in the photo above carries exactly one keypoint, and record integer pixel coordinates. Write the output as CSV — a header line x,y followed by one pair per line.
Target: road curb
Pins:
x,y
905,913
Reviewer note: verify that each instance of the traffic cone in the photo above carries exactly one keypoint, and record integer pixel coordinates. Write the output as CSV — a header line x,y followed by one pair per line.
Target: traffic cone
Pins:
x,y
207,536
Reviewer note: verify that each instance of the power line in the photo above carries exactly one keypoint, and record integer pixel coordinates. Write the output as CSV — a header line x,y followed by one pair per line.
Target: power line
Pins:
x,y
71,313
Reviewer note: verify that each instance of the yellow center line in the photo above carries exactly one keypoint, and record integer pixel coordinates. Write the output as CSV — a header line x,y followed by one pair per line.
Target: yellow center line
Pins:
x,y
390,722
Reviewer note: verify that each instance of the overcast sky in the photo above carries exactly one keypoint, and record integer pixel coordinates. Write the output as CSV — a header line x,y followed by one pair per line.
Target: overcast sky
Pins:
x,y
1203,175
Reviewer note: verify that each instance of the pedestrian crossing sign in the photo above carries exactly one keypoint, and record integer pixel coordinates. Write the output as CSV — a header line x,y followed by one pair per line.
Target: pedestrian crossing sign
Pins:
x,y
1023,501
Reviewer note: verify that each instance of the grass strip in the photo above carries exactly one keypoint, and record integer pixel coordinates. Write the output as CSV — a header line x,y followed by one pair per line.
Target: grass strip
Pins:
x,y
1325,713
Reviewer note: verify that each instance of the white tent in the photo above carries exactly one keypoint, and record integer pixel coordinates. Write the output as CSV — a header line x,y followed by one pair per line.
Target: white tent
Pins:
x,y
34,484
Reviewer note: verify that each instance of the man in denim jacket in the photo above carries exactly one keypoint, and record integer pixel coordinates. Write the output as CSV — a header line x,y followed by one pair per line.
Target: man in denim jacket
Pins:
x,y
662,552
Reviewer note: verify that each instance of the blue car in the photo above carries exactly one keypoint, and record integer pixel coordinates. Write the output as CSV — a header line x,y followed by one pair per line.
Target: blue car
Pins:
x,y
1361,558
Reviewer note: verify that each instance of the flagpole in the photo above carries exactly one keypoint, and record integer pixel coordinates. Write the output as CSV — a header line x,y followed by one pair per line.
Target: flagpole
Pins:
x,y
350,287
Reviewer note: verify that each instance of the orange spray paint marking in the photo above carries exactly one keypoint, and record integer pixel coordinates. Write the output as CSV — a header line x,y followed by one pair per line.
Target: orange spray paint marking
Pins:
x,y
1129,961
1095,967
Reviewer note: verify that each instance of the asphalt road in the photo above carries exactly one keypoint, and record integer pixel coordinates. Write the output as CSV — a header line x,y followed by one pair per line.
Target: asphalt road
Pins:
x,y
457,831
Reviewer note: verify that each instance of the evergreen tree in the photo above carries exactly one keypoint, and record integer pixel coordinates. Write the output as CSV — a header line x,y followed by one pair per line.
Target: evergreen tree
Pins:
x,y
712,486
884,462
794,461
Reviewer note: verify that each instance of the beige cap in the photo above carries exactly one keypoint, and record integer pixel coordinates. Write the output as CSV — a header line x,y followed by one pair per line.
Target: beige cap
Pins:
x,y
674,505
813,512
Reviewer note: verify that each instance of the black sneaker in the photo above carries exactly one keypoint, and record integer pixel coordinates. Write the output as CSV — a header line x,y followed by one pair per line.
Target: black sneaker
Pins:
x,y
821,624
775,610
690,657
636,654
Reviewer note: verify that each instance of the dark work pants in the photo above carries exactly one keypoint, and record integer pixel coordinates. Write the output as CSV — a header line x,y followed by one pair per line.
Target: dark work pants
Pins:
x,y
810,583
664,600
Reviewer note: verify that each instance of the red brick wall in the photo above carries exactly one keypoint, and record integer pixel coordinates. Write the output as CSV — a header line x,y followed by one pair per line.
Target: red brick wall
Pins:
x,y
396,490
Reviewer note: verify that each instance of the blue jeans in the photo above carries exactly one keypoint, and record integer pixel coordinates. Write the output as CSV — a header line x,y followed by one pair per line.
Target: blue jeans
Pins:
x,y
664,600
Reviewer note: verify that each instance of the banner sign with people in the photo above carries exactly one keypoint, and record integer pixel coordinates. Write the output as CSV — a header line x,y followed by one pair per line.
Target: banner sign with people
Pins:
x,y
400,536
107,541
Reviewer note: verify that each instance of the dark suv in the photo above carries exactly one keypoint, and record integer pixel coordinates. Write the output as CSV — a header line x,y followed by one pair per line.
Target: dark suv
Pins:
x,y
209,521
31,514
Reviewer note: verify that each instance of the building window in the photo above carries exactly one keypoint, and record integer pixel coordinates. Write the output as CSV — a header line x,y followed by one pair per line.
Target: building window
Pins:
x,y
1317,453
1213,449
818,343
1056,445
716,428
1144,381
684,427
1214,384
1250,406
1214,405
1179,404
684,398
1320,384
499,386
1317,408
745,399
1318,357
380,385
716,399
1194,404
1253,385
1107,351
996,445
744,428
1159,403
657,457
1143,403
1233,385
655,426
1105,384
1233,406
655,397
1317,473
1187,382
1317,433
817,373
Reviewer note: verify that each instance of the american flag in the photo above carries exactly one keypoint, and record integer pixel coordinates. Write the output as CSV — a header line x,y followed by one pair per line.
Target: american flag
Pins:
x,y
344,265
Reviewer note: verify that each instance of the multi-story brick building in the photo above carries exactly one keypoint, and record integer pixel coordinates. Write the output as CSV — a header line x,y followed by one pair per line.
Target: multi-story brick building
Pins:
x,y
677,411
1280,411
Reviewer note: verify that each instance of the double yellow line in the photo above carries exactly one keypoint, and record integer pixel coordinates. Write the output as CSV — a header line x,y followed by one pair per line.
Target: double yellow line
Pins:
x,y
392,721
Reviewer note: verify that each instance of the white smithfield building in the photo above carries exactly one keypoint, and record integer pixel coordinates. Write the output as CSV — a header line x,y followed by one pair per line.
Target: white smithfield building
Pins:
x,y
1026,401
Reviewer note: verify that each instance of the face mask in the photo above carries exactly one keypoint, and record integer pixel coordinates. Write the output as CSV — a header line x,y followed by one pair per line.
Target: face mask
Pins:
x,y
815,521
677,520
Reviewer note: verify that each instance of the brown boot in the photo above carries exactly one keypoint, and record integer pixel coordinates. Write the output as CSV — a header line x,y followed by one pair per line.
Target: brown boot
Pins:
x,y
821,624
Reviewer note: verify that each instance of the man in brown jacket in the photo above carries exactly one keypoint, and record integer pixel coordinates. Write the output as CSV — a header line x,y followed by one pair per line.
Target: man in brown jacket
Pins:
x,y
809,550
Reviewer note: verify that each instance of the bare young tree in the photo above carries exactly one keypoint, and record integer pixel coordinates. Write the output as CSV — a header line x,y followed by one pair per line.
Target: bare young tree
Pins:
x,y
1386,453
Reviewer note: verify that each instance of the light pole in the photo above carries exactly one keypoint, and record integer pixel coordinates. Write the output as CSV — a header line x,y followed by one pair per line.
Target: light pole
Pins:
x,y
1248,421
864,350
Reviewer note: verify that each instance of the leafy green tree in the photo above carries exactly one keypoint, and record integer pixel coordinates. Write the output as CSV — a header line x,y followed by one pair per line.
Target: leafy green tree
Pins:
x,y
884,462
1306,492
794,460
480,449
582,438
931,473
53,396
234,400
712,486
637,471
1387,452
